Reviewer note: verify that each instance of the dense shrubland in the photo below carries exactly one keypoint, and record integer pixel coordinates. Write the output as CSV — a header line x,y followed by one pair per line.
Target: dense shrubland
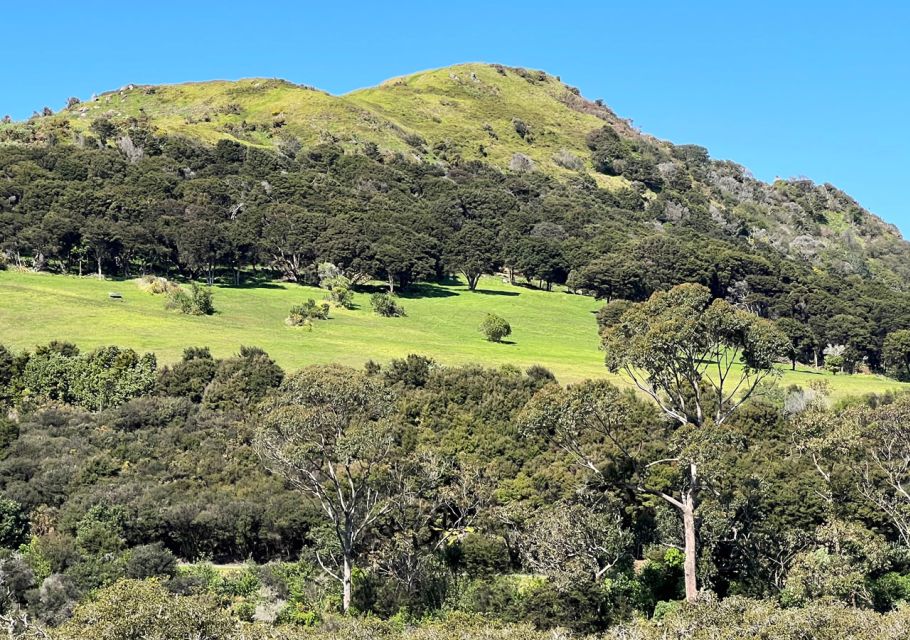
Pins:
x,y
470,499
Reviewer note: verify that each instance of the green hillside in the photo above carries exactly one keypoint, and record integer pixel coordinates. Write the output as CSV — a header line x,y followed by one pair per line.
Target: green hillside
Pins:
x,y
494,114
556,330
470,110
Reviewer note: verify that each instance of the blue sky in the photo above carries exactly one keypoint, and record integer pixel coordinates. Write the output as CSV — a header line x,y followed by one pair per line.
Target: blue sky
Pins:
x,y
820,89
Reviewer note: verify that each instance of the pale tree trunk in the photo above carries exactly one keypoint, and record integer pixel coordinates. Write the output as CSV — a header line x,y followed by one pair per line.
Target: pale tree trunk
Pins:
x,y
690,536
689,567
100,275
346,582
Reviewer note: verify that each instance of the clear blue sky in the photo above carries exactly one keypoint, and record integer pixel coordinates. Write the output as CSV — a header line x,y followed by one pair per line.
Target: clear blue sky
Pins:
x,y
820,89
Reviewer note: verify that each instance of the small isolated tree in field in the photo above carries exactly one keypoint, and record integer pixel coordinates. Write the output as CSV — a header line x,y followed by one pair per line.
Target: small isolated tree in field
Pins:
x,y
386,306
699,361
304,314
834,358
326,431
495,328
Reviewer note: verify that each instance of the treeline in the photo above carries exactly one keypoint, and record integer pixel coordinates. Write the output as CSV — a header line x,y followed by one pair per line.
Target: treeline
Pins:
x,y
125,202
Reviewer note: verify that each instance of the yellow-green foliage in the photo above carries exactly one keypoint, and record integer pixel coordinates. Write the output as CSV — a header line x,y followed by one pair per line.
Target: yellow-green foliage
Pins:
x,y
467,110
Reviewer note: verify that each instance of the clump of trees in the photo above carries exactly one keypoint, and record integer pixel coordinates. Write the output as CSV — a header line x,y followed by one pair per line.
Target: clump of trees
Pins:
x,y
174,208
411,488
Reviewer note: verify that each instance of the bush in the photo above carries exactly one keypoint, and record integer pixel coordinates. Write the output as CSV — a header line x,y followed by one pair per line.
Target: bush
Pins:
x,y
304,314
341,296
495,328
13,524
156,285
149,561
198,302
386,306
521,163
568,160
153,614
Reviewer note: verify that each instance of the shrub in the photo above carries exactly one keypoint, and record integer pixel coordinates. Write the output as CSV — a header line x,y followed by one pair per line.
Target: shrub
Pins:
x,y
521,128
149,561
568,160
304,314
198,302
520,162
154,614
156,285
386,306
495,328
13,524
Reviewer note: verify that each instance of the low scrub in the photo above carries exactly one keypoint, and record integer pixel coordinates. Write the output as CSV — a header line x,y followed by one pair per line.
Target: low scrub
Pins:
x,y
157,285
303,314
386,306
195,302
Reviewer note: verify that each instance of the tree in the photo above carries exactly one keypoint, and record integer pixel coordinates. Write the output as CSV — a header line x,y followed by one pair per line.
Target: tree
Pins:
x,y
699,361
103,240
495,328
326,431
896,354
472,251
289,234
882,438
539,258
572,543
801,338
610,277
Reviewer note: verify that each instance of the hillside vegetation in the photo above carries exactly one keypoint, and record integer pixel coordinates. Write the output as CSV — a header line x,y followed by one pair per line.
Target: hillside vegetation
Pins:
x,y
499,116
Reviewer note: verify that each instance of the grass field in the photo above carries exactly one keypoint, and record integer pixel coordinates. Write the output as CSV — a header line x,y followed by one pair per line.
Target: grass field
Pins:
x,y
556,329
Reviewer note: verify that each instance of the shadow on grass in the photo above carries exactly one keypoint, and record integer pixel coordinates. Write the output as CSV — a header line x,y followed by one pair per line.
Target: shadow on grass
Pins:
x,y
491,292
426,290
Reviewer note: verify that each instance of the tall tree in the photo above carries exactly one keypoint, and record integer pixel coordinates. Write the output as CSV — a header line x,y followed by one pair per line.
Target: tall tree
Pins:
x,y
699,361
326,431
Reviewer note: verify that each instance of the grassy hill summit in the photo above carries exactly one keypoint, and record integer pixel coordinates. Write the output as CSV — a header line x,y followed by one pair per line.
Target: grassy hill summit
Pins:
x,y
477,111
511,118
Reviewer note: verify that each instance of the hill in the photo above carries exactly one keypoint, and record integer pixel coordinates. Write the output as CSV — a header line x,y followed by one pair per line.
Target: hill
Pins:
x,y
498,115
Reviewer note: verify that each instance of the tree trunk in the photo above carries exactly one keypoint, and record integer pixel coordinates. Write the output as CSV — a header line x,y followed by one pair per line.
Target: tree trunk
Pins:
x,y
688,515
100,275
346,582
